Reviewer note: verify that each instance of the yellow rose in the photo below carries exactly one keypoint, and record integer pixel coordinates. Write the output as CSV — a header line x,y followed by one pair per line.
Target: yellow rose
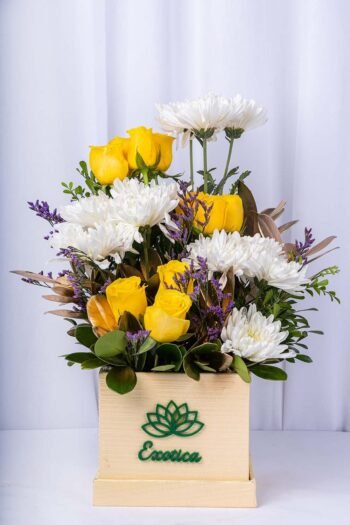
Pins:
x,y
168,271
226,212
108,163
142,142
164,145
126,295
166,319
100,315
121,142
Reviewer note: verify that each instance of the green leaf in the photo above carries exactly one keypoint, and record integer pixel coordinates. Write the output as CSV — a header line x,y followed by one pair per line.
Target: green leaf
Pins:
x,y
239,366
79,357
169,353
162,368
85,335
121,380
191,369
147,345
111,344
304,358
92,363
269,372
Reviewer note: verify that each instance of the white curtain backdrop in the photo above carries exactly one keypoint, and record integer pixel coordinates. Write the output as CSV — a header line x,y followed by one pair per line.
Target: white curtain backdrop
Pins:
x,y
77,72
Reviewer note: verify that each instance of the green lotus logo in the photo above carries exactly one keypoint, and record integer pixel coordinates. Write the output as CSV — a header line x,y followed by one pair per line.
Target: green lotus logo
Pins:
x,y
172,420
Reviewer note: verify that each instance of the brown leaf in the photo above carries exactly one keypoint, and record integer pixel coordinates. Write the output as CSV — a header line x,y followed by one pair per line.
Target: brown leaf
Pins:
x,y
250,226
226,362
275,212
129,271
62,290
287,225
34,276
58,298
268,228
321,245
289,247
322,254
67,313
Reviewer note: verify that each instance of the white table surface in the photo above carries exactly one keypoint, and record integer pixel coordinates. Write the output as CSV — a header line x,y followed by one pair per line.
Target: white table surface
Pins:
x,y
46,479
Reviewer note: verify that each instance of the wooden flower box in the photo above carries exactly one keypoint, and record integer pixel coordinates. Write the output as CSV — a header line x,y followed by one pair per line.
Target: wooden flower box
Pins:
x,y
175,442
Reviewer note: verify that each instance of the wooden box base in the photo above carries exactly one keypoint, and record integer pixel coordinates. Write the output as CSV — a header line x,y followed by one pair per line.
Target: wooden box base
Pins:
x,y
175,493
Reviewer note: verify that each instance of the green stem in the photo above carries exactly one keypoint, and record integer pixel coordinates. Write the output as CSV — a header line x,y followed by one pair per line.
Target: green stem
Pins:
x,y
191,164
145,175
145,251
227,163
205,166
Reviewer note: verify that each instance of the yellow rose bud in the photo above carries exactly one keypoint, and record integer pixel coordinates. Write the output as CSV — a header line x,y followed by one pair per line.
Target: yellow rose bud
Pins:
x,y
127,295
121,142
100,315
168,271
166,319
142,142
164,145
108,163
226,212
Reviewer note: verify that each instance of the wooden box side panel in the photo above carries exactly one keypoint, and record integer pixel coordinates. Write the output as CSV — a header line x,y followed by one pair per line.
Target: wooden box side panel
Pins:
x,y
222,402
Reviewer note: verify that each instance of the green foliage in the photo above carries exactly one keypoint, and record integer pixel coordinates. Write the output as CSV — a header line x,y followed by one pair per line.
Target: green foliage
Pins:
x,y
272,373
110,345
168,357
121,379
239,366
85,335
319,284
78,192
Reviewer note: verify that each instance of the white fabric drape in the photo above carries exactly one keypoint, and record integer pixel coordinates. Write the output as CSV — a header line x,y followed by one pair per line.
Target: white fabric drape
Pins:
x,y
76,72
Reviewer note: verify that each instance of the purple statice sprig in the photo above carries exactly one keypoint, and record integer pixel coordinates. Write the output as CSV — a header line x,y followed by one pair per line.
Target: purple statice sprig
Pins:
x,y
209,314
302,247
185,216
137,338
42,209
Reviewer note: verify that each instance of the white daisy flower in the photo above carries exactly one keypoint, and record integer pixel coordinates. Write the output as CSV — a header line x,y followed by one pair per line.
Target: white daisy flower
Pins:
x,y
140,204
249,334
97,242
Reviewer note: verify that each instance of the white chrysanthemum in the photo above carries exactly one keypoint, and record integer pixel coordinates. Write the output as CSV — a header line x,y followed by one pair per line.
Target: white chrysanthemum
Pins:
x,y
210,112
248,257
97,243
89,211
272,265
223,252
142,204
249,334
245,114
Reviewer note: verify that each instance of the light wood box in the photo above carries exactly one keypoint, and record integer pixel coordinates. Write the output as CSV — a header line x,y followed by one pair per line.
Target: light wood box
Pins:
x,y
222,478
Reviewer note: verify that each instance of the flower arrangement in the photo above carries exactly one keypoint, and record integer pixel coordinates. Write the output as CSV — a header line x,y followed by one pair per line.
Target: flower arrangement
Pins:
x,y
165,276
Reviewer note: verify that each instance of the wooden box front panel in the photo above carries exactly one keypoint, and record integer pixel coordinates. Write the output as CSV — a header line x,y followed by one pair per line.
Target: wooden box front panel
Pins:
x,y
221,443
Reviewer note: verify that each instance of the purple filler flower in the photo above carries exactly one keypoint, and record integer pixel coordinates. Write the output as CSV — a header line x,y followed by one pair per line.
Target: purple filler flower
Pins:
x,y
42,209
302,247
